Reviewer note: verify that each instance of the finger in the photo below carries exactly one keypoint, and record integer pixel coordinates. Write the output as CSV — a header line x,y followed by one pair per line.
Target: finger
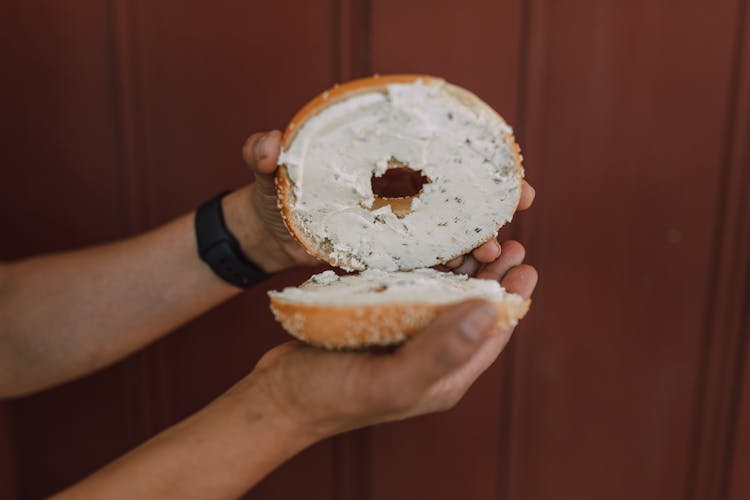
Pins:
x,y
458,382
527,196
469,266
521,280
487,251
261,153
512,255
447,343
454,263
485,356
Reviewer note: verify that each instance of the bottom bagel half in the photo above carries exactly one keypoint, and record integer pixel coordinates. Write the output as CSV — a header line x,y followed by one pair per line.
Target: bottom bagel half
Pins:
x,y
382,308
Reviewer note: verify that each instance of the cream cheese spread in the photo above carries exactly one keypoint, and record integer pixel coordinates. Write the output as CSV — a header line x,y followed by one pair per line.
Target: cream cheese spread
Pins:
x,y
374,286
463,150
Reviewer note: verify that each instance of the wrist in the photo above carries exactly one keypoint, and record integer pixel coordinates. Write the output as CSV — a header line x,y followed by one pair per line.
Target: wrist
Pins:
x,y
255,240
306,416
252,398
219,452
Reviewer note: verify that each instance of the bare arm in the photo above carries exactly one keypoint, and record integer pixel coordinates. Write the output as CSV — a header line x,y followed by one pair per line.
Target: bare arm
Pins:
x,y
219,452
298,395
68,314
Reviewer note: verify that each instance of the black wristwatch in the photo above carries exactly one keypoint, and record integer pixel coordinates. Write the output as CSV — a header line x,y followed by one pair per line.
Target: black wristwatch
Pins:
x,y
219,249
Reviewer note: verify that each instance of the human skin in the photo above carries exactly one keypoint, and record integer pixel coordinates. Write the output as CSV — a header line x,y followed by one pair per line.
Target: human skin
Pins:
x,y
65,315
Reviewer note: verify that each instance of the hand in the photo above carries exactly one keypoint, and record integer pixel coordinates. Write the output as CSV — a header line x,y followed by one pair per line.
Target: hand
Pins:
x,y
325,393
253,215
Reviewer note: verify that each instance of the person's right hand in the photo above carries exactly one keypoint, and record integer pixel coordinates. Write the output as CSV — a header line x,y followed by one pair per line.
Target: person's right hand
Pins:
x,y
324,393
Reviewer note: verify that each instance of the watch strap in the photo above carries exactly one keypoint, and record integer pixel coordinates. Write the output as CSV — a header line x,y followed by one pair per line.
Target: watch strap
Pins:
x,y
219,249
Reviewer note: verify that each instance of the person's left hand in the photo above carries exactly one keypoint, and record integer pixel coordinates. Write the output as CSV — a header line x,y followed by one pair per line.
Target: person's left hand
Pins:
x,y
281,250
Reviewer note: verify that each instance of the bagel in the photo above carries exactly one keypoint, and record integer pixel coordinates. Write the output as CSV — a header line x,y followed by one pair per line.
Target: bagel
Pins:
x,y
377,307
461,174
345,139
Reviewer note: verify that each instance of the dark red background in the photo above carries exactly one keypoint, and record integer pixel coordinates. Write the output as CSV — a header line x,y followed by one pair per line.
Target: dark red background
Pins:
x,y
628,380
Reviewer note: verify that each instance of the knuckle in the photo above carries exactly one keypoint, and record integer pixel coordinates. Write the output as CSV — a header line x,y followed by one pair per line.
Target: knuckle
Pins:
x,y
514,252
450,400
250,142
401,400
386,397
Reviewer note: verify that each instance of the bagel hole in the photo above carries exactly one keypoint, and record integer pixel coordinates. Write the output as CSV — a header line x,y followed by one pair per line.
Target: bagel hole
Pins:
x,y
397,187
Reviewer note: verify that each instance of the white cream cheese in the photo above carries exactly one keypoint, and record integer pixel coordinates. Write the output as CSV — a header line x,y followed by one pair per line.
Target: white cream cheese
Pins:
x,y
473,185
374,286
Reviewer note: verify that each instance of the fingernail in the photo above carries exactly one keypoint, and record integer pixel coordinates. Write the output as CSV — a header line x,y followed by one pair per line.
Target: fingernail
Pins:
x,y
454,263
477,321
260,147
498,250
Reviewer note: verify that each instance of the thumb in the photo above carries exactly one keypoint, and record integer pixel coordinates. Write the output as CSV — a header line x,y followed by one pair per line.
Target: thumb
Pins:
x,y
446,344
261,154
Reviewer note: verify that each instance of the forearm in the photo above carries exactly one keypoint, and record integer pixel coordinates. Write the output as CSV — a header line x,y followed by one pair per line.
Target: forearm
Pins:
x,y
219,452
67,314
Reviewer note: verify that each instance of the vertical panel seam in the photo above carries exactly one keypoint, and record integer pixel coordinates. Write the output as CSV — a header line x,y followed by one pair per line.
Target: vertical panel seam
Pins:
x,y
740,365
523,66
116,95
506,390
743,325
701,418
126,222
11,448
336,38
351,55
123,70
339,443
368,38
365,53
366,65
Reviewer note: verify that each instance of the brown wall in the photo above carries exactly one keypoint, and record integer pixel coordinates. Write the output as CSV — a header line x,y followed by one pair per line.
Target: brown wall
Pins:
x,y
628,380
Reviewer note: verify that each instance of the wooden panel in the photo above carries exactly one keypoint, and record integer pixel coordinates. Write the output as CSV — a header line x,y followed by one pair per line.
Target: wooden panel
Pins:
x,y
58,146
212,75
626,136
734,477
8,473
61,189
457,454
634,121
738,487
476,46
64,434
205,78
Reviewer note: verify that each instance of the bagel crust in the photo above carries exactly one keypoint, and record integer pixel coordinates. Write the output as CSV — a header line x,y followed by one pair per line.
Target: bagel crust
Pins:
x,y
340,139
370,308
334,148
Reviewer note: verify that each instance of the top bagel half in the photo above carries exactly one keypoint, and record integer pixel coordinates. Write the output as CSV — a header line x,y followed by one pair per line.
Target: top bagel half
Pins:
x,y
341,143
